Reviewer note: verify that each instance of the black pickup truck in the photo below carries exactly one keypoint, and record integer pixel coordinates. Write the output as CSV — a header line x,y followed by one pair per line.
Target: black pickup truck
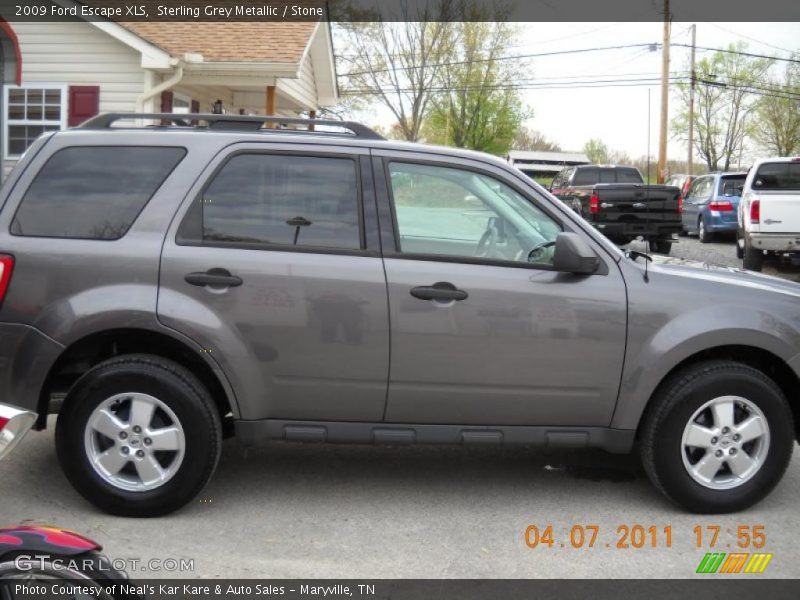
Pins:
x,y
620,205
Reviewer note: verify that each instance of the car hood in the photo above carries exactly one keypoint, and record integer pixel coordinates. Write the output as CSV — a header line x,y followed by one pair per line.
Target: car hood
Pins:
x,y
724,275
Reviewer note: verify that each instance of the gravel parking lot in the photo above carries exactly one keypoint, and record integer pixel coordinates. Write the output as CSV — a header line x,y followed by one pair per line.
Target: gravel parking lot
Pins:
x,y
302,511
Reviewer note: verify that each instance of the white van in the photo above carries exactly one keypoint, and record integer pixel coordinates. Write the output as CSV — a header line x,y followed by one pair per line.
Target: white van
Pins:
x,y
769,212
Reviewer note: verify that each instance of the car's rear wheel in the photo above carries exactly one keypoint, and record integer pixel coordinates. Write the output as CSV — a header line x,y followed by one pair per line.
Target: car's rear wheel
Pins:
x,y
717,437
661,246
703,235
753,259
138,436
739,244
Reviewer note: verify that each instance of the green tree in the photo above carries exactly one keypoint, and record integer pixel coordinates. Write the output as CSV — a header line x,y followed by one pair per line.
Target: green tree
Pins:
x,y
723,100
397,64
530,139
597,151
777,123
478,106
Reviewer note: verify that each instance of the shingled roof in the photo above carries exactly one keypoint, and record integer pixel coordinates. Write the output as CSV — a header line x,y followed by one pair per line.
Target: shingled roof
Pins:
x,y
257,42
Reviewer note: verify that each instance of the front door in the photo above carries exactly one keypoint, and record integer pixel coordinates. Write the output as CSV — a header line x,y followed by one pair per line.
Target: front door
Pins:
x,y
484,330
272,273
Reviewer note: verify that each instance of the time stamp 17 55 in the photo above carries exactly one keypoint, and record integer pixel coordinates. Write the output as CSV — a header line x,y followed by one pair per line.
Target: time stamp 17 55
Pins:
x,y
636,536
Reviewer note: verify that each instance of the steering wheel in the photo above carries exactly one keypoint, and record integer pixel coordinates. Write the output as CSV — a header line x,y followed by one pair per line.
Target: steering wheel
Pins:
x,y
487,245
536,250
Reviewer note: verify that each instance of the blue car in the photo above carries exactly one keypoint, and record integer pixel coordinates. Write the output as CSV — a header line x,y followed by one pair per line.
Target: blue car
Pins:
x,y
711,205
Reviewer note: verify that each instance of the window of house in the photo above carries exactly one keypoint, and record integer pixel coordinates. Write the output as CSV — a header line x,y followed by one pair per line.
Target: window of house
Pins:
x,y
181,103
93,192
283,200
31,111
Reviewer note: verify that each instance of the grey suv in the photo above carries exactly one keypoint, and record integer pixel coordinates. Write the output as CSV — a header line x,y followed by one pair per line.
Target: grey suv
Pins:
x,y
165,286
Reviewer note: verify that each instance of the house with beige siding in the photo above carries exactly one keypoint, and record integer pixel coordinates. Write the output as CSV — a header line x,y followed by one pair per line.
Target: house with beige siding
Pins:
x,y
58,74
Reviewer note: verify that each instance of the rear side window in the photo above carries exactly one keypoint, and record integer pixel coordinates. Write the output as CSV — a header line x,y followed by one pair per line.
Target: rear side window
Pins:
x,y
93,192
778,176
284,200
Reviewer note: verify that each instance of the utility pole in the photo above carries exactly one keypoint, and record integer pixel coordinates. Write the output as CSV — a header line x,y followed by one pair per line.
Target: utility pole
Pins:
x,y
691,105
662,141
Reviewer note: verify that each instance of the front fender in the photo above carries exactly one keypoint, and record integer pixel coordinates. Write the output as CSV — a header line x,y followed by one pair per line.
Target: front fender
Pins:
x,y
660,342
44,540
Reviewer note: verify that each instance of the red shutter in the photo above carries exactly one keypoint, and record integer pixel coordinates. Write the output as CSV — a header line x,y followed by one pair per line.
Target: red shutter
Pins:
x,y
166,102
195,106
84,103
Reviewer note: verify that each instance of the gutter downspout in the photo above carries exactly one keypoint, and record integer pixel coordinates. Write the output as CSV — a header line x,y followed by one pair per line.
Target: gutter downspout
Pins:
x,y
164,85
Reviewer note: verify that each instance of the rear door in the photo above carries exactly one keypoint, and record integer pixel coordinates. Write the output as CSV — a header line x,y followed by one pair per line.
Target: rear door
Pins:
x,y
777,186
271,268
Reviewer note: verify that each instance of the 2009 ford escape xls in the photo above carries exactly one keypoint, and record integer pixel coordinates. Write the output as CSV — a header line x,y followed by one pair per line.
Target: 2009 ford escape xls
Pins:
x,y
163,284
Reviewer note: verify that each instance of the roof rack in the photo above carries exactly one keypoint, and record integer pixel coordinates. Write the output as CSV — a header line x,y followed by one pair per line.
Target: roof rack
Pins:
x,y
232,122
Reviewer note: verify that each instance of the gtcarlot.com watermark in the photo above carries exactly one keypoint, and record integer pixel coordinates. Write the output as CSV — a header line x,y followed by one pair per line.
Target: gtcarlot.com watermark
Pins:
x,y
41,562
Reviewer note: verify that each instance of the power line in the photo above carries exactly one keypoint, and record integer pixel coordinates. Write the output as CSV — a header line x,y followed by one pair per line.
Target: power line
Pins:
x,y
752,39
499,58
740,52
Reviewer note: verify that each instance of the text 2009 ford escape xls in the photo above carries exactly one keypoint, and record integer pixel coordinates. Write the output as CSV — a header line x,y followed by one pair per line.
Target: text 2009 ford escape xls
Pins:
x,y
175,282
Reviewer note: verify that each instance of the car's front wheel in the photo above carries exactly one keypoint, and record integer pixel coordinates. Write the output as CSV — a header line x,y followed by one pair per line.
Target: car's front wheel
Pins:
x,y
138,435
717,437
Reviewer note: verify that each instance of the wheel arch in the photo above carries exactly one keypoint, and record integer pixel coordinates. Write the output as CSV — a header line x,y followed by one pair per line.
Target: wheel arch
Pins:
x,y
90,350
763,360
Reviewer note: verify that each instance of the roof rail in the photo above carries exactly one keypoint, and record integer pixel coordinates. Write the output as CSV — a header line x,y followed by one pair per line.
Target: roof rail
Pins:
x,y
230,122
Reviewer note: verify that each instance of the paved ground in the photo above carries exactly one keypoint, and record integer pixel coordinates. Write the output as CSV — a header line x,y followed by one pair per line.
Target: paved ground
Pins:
x,y
298,511
335,511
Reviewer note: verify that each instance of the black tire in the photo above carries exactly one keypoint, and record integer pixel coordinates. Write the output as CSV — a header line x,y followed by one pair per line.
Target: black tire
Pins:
x,y
661,246
176,387
703,235
739,245
90,568
672,408
753,260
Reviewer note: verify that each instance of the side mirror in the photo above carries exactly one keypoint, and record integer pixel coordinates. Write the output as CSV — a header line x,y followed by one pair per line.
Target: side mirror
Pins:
x,y
573,255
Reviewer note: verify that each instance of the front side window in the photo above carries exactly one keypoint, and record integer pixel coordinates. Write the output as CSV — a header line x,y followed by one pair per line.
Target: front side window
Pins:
x,y
30,112
93,192
451,212
285,200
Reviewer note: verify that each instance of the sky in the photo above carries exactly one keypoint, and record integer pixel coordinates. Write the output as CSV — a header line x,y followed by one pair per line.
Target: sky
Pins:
x,y
619,115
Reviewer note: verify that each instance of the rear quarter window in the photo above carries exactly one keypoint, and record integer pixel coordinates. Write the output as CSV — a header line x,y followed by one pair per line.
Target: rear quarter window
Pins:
x,y
93,192
777,176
